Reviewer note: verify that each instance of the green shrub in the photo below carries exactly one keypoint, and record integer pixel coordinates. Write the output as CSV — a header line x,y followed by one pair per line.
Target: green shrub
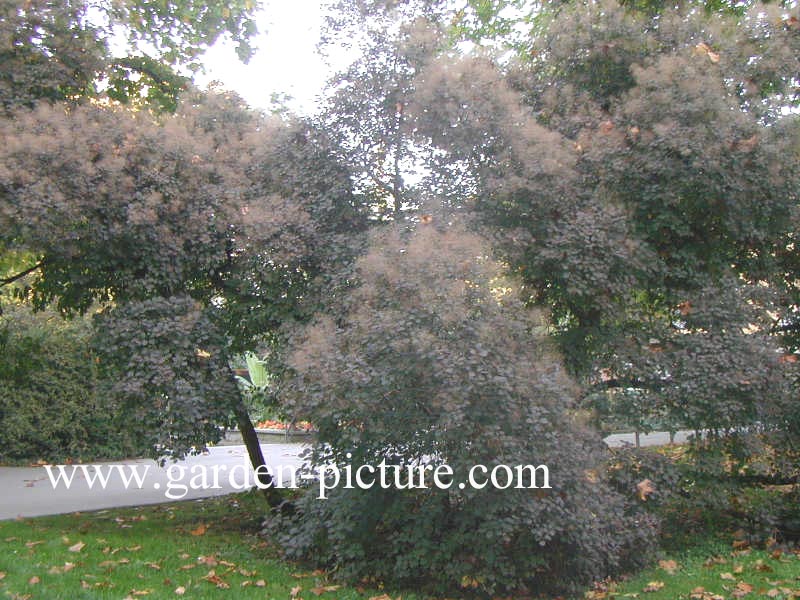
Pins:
x,y
433,358
51,407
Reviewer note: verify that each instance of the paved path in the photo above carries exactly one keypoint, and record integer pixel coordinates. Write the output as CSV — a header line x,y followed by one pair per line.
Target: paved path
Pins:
x,y
29,491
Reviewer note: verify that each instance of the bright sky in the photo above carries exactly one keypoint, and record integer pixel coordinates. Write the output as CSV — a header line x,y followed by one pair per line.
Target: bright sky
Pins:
x,y
286,60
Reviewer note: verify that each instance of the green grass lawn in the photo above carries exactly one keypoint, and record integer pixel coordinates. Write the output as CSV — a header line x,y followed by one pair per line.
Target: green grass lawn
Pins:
x,y
210,549
715,570
197,549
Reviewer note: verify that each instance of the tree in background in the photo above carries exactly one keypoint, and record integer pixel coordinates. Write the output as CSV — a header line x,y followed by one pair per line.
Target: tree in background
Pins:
x,y
130,51
196,234
638,172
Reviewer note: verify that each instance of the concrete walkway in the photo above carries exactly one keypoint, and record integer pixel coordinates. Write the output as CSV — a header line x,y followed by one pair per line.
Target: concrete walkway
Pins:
x,y
30,491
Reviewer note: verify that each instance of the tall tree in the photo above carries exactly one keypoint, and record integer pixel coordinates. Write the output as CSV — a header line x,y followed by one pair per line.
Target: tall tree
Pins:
x,y
638,170
197,234
638,173
130,51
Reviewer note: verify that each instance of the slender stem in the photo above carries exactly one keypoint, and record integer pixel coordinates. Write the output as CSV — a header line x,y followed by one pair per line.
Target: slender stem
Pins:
x,y
21,274
251,442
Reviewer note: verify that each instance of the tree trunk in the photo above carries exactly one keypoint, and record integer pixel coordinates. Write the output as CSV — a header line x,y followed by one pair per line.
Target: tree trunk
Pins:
x,y
250,438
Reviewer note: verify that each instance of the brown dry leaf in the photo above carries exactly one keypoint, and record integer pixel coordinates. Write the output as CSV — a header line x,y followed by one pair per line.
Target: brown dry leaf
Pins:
x,y
321,589
154,566
703,48
653,586
606,127
2,575
727,576
200,530
260,583
34,580
762,566
738,569
140,592
381,597
186,567
211,561
773,593
645,488
212,577
134,548
55,570
670,566
295,591
32,544
744,587
180,590
77,547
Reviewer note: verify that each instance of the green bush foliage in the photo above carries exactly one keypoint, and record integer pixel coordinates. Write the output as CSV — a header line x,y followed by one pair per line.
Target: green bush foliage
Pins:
x,y
432,359
51,402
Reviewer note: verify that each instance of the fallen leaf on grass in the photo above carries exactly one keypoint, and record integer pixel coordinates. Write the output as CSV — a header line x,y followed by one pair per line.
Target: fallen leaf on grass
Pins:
x,y
261,583
764,568
55,570
33,580
670,566
32,544
653,586
700,593
727,576
381,597
180,591
742,589
740,544
2,575
212,577
321,589
295,591
77,547
200,530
